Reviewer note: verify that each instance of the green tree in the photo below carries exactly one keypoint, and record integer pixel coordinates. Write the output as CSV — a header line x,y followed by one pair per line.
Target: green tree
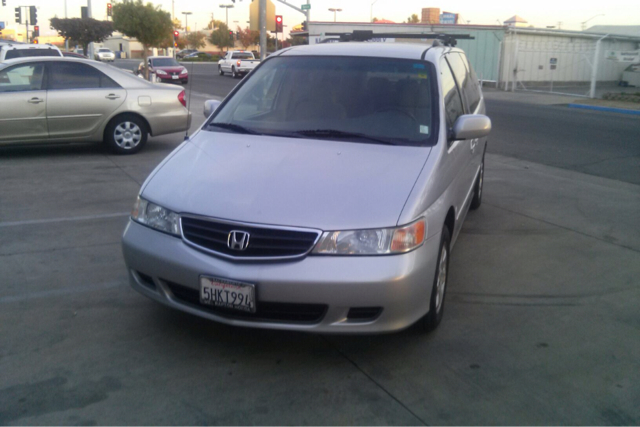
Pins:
x,y
213,24
149,24
413,19
177,25
196,40
82,31
220,37
375,20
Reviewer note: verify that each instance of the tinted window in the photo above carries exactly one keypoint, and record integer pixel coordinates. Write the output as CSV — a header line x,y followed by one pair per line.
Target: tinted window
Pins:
x,y
70,75
164,62
452,101
104,50
24,53
466,84
388,99
473,88
22,78
242,55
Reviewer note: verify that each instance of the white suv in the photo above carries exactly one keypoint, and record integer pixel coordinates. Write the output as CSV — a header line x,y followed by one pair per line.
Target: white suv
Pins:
x,y
21,50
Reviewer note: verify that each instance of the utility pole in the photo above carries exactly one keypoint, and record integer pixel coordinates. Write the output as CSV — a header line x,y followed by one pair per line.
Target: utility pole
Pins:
x,y
90,53
66,41
263,29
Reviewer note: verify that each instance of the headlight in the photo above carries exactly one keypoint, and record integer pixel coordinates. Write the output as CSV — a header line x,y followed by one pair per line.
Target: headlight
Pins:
x,y
164,73
155,216
384,241
184,71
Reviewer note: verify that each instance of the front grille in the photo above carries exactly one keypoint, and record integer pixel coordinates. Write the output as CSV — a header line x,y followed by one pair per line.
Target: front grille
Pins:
x,y
263,242
265,311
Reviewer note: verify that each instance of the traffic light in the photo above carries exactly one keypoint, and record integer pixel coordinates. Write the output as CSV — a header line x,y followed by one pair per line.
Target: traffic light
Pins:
x,y
33,15
4,2
230,35
18,14
176,35
36,31
304,26
109,9
35,41
278,23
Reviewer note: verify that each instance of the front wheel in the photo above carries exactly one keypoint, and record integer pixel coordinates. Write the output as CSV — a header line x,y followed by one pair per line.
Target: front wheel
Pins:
x,y
436,305
126,134
220,71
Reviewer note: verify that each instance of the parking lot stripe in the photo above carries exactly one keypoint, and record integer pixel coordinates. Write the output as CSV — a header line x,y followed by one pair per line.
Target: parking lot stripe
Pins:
x,y
51,220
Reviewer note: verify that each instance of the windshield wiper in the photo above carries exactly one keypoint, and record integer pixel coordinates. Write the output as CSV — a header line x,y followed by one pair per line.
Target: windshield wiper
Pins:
x,y
334,133
235,127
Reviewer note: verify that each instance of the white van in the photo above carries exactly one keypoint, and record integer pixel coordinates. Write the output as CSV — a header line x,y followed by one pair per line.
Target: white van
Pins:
x,y
21,50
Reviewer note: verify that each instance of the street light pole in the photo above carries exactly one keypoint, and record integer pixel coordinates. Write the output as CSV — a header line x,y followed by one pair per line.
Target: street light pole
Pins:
x,y
186,22
371,11
226,7
334,12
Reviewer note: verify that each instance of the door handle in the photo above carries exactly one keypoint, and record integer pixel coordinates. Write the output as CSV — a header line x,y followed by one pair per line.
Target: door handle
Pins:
x,y
35,100
112,96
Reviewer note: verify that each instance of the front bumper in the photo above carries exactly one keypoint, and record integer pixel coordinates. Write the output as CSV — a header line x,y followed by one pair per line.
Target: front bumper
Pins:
x,y
400,284
164,78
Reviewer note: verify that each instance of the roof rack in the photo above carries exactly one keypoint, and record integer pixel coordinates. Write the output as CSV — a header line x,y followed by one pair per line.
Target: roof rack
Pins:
x,y
440,39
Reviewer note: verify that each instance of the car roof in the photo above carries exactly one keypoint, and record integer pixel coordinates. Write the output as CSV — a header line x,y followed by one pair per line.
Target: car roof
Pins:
x,y
11,46
13,61
414,51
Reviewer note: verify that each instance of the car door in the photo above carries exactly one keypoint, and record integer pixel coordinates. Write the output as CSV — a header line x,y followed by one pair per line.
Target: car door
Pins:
x,y
23,103
458,154
80,98
473,95
470,145
226,65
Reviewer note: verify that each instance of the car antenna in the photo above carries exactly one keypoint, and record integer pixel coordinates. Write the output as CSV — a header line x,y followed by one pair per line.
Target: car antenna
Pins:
x,y
186,134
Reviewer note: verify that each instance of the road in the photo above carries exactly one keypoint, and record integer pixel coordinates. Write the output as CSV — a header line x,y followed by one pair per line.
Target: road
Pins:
x,y
541,323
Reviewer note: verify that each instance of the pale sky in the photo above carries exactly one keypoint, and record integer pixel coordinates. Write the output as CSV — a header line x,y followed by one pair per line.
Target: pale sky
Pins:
x,y
540,13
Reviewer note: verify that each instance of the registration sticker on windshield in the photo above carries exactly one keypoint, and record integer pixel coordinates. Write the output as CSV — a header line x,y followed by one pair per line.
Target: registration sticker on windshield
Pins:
x,y
424,129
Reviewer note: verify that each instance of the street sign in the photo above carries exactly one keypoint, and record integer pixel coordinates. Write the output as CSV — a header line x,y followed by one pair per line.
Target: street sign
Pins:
x,y
306,7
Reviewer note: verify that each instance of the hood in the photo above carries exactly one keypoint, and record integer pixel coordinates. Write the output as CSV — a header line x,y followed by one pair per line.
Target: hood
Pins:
x,y
171,69
329,185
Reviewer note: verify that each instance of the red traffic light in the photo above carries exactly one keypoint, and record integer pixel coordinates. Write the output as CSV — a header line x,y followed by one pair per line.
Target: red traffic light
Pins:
x,y
176,34
278,23
278,18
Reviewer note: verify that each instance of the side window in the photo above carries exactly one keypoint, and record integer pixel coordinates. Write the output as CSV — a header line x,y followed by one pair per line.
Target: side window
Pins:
x,y
234,56
460,73
22,78
472,89
70,75
452,100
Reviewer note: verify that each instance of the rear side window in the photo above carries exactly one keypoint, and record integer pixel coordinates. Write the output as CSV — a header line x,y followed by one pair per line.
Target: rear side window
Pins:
x,y
26,53
70,75
21,78
452,100
467,86
473,90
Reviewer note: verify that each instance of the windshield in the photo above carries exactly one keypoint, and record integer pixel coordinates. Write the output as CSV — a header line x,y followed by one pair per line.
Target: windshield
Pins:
x,y
377,100
104,50
164,62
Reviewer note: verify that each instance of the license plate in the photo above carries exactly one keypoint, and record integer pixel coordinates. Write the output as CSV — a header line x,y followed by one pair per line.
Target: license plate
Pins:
x,y
227,294
174,77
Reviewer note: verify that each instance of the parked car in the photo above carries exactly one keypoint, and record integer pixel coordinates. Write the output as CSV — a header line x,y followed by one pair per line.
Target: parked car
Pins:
x,y
23,50
105,55
238,63
73,55
166,69
84,100
324,194
185,52
199,56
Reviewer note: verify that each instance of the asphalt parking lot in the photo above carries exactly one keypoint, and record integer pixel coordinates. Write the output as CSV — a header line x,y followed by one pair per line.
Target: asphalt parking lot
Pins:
x,y
541,324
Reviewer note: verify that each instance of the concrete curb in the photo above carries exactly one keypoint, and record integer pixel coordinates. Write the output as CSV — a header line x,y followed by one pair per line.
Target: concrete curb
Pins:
x,y
607,109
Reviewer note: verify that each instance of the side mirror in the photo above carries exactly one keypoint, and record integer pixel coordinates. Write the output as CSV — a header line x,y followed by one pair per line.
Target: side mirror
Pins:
x,y
471,126
210,106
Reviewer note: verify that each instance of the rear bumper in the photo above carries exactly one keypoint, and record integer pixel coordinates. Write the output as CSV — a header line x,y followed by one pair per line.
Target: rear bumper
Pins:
x,y
400,284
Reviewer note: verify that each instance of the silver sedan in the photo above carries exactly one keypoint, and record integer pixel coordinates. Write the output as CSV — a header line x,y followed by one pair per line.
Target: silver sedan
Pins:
x,y
73,100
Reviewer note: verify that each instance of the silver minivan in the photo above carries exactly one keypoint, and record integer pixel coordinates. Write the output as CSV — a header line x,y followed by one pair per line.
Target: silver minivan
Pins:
x,y
324,194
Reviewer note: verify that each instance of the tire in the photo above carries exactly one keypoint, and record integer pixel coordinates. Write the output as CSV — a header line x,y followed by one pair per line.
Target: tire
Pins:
x,y
220,71
233,73
126,134
477,190
436,304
